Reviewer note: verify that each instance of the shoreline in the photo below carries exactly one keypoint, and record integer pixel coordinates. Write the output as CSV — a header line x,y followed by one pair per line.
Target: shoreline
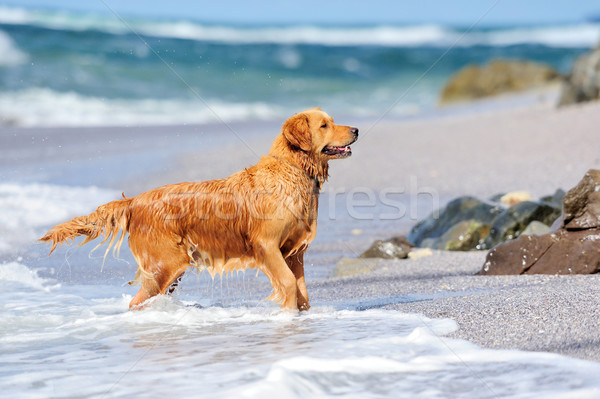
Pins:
x,y
534,147
540,313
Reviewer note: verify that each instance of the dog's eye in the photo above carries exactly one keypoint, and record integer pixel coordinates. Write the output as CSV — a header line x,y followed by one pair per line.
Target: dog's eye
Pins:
x,y
324,125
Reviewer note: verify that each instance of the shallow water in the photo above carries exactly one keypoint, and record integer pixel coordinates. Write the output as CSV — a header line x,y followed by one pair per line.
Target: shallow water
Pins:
x,y
67,341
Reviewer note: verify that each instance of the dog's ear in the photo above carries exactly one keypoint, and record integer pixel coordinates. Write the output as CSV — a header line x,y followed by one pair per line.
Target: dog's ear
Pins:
x,y
297,132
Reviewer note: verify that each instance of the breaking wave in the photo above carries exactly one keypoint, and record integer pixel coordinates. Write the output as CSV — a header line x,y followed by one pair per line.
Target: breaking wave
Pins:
x,y
45,107
564,35
10,54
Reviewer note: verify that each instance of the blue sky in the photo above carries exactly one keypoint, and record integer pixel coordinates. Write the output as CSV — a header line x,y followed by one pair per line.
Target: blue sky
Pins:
x,y
458,12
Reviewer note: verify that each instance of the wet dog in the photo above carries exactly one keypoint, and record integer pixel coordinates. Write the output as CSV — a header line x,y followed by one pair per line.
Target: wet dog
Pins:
x,y
262,217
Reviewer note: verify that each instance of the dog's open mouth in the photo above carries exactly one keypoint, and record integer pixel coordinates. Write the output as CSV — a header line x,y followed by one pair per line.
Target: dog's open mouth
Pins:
x,y
344,151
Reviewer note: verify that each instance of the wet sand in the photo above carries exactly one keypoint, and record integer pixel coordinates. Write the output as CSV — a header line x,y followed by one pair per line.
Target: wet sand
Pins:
x,y
535,312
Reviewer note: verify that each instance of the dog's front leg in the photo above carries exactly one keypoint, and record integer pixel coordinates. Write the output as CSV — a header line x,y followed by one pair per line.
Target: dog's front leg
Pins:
x,y
296,265
282,279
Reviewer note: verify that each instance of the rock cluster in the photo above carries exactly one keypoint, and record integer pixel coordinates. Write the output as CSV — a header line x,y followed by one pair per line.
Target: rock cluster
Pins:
x,y
468,223
497,77
583,83
574,248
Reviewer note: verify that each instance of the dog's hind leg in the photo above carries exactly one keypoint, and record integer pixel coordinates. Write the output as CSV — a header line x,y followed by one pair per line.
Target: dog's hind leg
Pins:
x,y
162,281
296,265
146,292
160,270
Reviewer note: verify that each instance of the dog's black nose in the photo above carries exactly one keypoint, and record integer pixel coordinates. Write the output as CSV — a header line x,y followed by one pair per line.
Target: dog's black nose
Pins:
x,y
354,131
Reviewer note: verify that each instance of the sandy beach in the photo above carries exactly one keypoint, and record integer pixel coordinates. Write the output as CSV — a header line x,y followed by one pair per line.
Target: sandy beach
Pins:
x,y
536,148
533,147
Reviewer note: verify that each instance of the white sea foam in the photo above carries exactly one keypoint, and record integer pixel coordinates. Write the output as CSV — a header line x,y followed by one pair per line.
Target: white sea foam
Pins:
x,y
566,35
82,341
27,209
380,35
10,54
582,35
59,19
17,273
15,15
45,107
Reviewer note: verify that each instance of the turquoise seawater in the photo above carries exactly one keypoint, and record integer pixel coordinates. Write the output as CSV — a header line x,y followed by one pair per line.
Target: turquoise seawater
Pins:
x,y
59,68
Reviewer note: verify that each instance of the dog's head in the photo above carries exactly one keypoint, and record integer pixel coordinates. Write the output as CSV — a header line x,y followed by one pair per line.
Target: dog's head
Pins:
x,y
315,133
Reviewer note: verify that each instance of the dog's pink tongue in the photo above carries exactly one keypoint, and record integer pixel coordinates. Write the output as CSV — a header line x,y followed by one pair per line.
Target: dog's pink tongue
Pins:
x,y
340,149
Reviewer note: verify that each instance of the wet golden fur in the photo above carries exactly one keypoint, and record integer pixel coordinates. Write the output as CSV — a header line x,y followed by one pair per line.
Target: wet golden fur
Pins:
x,y
262,217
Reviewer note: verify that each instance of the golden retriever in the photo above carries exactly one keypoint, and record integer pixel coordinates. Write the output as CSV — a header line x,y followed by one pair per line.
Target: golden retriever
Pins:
x,y
261,217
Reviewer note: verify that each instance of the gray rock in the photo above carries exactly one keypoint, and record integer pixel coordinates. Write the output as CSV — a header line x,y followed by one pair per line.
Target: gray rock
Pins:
x,y
512,221
536,228
458,210
556,198
394,248
497,197
430,242
463,236
583,83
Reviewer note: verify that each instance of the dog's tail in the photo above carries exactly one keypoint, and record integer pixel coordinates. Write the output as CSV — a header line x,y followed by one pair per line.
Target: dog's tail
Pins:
x,y
107,220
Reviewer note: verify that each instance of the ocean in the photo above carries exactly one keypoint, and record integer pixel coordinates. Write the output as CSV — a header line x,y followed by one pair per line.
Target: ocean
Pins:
x,y
67,69
65,331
